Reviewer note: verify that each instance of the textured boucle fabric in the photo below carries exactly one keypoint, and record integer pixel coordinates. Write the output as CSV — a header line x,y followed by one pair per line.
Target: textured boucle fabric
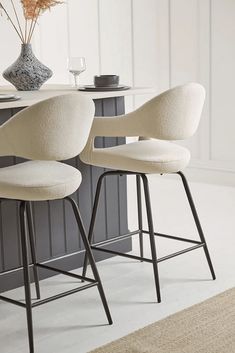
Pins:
x,y
150,156
39,180
54,129
208,327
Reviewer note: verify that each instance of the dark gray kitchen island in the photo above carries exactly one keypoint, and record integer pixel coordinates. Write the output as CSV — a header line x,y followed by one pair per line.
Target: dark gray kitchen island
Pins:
x,y
57,238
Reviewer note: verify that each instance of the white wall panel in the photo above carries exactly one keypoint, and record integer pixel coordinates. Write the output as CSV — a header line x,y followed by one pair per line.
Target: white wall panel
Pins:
x,y
115,19
204,76
163,44
54,42
184,50
83,24
183,41
145,48
115,38
223,74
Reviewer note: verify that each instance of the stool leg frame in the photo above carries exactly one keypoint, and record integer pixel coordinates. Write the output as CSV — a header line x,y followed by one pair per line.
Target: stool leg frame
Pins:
x,y
197,222
25,260
95,208
149,216
32,246
140,217
90,257
93,218
154,259
151,235
27,238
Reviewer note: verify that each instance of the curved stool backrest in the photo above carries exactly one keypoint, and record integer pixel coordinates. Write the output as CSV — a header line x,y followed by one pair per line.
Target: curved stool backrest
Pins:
x,y
173,115
54,129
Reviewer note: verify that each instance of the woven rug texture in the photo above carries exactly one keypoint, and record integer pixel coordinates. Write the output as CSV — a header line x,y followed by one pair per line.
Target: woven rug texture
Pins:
x,y
207,327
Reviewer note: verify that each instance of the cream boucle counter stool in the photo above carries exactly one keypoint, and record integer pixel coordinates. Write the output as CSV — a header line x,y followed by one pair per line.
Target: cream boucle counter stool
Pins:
x,y
173,115
45,133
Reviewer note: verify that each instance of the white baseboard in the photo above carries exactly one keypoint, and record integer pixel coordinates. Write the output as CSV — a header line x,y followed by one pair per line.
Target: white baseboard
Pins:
x,y
211,176
215,172
210,172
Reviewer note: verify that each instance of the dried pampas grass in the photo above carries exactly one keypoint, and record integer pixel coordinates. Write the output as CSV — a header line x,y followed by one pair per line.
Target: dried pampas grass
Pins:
x,y
32,9
29,7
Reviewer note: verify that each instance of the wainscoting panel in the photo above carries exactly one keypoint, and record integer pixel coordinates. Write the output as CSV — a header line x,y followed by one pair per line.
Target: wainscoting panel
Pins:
x,y
146,58
222,80
84,35
54,42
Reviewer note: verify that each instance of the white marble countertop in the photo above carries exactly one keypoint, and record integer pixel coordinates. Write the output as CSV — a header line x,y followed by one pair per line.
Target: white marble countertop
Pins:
x,y
31,97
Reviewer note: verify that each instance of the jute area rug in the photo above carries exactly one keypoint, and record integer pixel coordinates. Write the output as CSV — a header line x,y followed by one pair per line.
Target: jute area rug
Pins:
x,y
208,327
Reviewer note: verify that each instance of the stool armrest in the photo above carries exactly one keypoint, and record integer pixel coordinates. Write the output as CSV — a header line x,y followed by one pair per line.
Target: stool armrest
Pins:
x,y
120,126
173,115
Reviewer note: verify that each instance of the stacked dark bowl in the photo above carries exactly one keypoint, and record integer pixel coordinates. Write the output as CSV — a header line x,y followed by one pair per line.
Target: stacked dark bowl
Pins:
x,y
106,81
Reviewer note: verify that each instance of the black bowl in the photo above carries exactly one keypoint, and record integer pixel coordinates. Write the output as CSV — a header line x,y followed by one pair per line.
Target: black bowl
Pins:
x,y
106,81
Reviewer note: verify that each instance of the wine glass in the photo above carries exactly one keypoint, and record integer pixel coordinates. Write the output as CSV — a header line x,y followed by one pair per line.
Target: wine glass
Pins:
x,y
76,65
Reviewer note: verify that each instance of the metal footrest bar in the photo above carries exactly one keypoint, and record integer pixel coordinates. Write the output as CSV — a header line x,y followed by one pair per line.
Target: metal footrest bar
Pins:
x,y
66,273
12,301
64,294
167,257
120,237
174,237
127,235
133,257
50,299
144,259
92,283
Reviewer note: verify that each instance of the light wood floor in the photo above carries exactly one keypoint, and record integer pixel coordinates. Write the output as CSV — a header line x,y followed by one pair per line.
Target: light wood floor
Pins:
x,y
77,324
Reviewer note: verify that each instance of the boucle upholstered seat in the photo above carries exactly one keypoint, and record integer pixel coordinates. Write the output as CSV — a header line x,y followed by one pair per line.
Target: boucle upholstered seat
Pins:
x,y
38,181
50,131
173,115
146,156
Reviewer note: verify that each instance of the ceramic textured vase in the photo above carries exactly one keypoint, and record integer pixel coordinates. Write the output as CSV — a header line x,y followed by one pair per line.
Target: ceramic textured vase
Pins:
x,y
27,73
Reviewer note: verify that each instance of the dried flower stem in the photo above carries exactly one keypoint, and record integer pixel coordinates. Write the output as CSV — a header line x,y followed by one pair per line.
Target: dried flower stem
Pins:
x,y
33,23
25,30
9,18
33,28
17,18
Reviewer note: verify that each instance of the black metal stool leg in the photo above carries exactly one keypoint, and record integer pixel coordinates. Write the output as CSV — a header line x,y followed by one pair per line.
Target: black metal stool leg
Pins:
x,y
140,218
90,257
93,217
151,236
32,246
198,225
25,260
